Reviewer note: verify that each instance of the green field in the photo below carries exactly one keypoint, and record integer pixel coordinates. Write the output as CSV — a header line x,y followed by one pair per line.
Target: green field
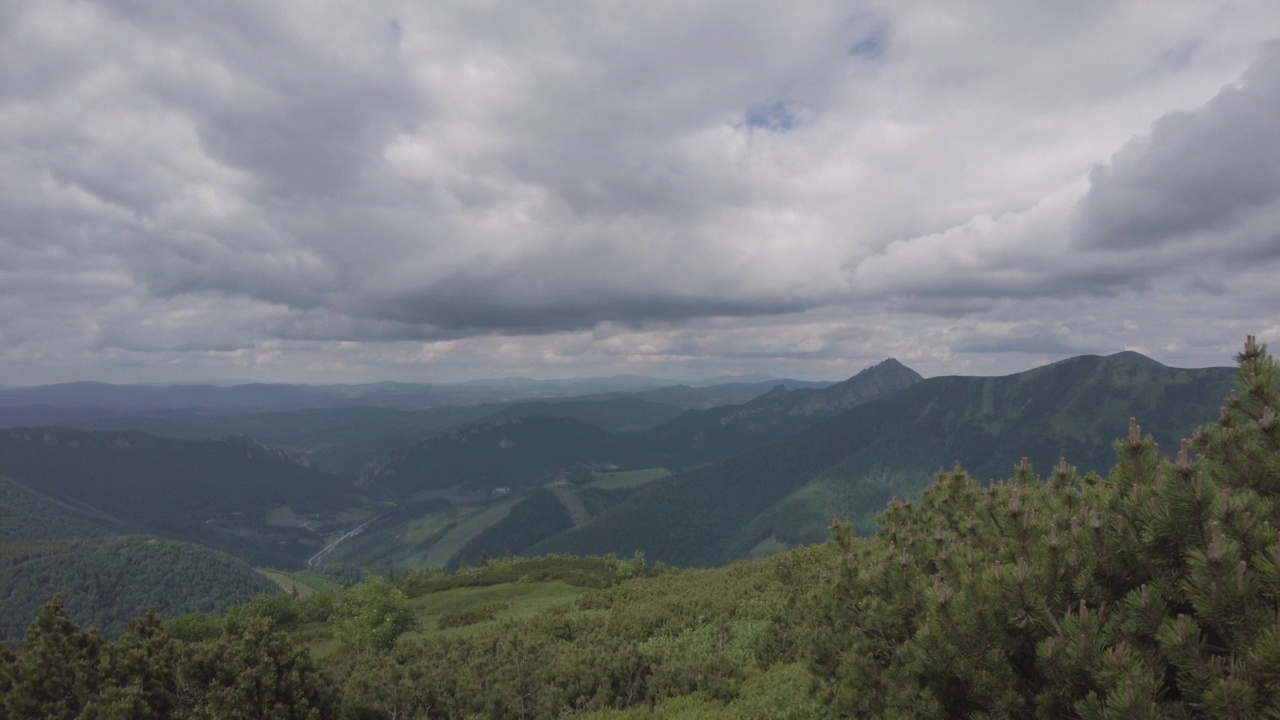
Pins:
x,y
303,582
522,600
768,546
286,516
428,537
627,478
516,601
467,527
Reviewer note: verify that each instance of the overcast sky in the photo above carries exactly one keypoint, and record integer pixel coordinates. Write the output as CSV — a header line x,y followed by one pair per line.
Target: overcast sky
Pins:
x,y
313,191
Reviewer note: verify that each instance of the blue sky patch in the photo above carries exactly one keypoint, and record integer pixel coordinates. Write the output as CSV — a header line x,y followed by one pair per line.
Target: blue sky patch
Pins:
x,y
871,46
776,117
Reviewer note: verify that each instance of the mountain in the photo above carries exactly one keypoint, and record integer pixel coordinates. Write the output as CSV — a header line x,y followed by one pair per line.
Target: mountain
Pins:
x,y
701,436
340,440
225,493
702,397
853,464
624,414
501,453
27,515
478,489
84,400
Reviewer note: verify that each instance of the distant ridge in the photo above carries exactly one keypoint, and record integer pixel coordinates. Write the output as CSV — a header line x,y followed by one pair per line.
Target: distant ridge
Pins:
x,y
701,436
206,491
851,465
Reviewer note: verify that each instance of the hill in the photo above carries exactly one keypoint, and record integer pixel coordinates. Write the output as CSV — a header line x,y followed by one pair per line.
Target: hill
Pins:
x,y
625,414
221,493
702,397
500,453
105,583
702,436
853,464
30,516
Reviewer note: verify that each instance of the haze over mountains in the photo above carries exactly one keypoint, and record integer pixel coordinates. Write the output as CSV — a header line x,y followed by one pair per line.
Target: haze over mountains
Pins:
x,y
652,470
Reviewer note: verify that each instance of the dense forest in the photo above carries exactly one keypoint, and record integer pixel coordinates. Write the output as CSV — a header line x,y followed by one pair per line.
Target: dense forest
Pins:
x,y
108,582
1150,592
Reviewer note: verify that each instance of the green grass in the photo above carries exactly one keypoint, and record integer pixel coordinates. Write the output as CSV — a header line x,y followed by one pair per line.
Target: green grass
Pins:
x,y
285,517
428,539
628,478
522,600
466,529
304,582
769,546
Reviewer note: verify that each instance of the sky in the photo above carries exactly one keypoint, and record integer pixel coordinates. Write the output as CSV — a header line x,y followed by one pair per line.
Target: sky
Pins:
x,y
351,192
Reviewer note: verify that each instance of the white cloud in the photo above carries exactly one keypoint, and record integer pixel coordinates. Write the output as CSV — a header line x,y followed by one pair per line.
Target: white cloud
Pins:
x,y
419,190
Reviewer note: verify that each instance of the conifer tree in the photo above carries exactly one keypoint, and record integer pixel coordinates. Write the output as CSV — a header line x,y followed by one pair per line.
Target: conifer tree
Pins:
x,y
1154,592
58,671
255,671
141,675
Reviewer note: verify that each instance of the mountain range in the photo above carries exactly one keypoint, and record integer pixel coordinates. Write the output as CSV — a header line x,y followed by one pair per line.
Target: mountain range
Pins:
x,y
614,472
850,466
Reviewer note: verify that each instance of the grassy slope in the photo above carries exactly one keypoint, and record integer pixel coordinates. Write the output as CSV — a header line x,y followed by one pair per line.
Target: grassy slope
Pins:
x,y
301,582
516,589
852,465
426,533
620,479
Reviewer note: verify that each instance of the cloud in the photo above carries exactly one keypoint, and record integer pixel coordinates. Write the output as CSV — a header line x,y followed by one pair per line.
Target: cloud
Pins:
x,y
403,188
1209,175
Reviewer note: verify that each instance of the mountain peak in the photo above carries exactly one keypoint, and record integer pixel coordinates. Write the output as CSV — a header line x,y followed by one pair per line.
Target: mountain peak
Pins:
x,y
1134,357
888,366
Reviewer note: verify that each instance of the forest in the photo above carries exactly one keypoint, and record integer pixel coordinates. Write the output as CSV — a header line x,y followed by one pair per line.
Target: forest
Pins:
x,y
1150,592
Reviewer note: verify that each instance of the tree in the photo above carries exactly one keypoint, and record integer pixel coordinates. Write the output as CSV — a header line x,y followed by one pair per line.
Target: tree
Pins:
x,y
371,615
1151,593
253,672
58,671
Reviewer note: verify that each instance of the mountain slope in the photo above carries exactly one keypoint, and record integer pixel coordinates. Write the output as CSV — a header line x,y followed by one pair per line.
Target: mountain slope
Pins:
x,y
31,516
616,414
504,452
853,464
704,397
701,436
217,492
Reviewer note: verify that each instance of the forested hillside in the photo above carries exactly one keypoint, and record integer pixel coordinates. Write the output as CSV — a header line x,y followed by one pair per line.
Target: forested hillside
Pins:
x,y
698,437
105,583
855,463
499,453
30,516
216,492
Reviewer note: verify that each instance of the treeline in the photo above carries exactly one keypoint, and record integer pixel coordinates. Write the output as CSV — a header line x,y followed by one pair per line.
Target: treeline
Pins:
x,y
1151,593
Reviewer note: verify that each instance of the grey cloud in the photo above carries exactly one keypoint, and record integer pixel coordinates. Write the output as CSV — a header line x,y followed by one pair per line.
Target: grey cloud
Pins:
x,y
1028,341
463,303
264,182
305,115
1199,174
